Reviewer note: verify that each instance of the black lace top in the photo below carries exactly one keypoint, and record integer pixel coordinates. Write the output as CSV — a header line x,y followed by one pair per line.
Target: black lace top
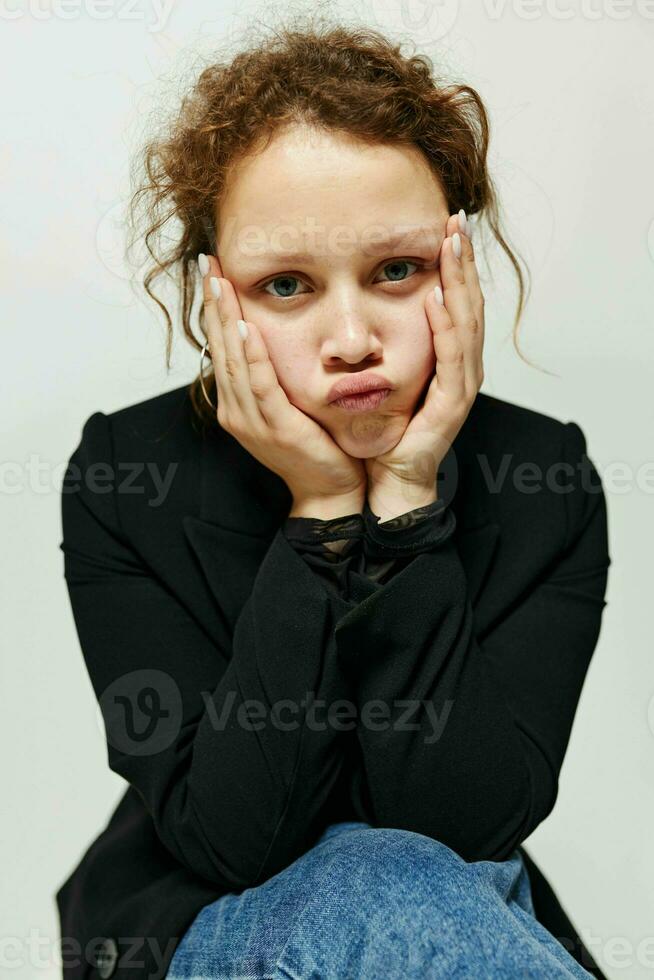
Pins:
x,y
354,555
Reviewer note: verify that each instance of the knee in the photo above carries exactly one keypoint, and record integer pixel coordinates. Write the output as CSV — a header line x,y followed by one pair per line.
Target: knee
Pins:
x,y
382,848
397,867
391,902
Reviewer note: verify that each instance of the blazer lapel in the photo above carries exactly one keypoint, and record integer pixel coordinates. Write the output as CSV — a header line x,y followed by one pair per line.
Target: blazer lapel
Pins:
x,y
229,559
243,503
477,532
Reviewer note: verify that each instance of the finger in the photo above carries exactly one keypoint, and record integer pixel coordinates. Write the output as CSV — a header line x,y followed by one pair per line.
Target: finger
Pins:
x,y
227,349
452,225
245,369
459,305
477,298
470,271
214,329
461,224
450,361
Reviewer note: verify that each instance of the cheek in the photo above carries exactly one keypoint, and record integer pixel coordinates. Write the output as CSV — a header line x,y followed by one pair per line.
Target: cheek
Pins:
x,y
414,359
291,363
408,355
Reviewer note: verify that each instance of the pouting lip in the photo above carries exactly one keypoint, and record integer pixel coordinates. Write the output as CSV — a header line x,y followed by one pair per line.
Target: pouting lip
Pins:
x,y
355,384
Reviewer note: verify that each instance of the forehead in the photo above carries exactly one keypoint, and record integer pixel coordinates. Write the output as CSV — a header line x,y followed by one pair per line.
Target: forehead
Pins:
x,y
310,194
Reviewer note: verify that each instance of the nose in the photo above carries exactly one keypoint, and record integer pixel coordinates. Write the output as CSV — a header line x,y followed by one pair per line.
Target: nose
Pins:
x,y
351,337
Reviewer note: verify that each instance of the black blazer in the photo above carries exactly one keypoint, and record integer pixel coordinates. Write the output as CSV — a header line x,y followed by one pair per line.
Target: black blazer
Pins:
x,y
191,605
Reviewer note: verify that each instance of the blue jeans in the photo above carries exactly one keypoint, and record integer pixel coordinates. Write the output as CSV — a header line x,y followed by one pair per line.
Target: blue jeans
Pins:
x,y
368,903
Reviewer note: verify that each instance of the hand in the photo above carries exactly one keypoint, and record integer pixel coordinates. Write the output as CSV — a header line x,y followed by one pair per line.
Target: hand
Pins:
x,y
253,407
409,470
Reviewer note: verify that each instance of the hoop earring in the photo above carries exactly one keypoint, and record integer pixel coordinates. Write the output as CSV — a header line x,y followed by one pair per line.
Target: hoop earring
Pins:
x,y
204,390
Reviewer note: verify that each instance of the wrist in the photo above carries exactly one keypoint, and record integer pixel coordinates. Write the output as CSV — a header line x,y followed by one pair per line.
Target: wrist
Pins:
x,y
327,508
390,502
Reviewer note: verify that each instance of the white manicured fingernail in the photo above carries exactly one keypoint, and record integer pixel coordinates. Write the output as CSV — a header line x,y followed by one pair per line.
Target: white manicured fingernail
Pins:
x,y
438,293
214,285
462,221
203,264
242,329
456,244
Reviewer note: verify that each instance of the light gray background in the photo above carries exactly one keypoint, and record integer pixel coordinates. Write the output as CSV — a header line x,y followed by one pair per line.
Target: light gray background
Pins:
x,y
570,93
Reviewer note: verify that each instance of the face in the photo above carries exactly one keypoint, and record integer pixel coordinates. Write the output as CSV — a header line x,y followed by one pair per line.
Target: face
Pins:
x,y
331,246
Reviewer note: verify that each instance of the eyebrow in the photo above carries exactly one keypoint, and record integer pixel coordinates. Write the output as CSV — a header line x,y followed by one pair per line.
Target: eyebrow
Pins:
x,y
410,237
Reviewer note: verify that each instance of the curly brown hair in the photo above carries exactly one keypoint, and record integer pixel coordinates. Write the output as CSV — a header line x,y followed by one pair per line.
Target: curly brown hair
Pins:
x,y
349,80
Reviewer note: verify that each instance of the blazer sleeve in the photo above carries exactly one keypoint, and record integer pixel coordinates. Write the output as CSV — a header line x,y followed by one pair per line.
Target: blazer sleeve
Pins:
x,y
340,550
223,742
460,740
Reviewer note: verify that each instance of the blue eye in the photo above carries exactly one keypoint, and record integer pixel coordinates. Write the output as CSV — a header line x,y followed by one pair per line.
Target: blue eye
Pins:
x,y
399,262
289,280
283,279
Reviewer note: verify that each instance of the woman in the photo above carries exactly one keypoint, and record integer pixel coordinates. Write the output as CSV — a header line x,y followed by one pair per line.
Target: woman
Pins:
x,y
337,640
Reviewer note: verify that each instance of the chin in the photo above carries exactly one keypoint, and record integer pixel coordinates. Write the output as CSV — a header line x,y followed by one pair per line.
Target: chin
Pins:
x,y
369,434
